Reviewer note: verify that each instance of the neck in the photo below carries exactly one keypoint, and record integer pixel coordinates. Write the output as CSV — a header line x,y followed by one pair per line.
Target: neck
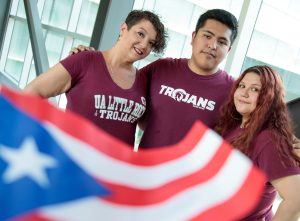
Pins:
x,y
201,71
244,121
114,58
119,69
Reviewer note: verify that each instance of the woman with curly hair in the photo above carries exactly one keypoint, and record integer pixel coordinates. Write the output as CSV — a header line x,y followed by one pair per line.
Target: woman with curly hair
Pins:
x,y
104,86
255,120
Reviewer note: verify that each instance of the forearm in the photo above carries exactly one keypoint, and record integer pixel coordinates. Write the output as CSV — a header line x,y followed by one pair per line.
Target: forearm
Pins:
x,y
287,211
34,91
53,82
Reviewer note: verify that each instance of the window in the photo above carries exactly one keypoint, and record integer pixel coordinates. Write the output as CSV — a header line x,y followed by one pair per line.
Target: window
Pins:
x,y
65,24
275,42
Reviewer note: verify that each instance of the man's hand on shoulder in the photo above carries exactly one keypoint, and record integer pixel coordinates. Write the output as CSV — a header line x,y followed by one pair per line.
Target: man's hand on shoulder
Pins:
x,y
80,48
296,145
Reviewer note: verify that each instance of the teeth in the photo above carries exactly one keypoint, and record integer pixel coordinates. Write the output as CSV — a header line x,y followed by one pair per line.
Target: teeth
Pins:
x,y
138,51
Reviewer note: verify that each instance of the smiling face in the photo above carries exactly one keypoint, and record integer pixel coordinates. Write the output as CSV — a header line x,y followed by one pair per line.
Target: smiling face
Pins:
x,y
246,95
138,40
210,45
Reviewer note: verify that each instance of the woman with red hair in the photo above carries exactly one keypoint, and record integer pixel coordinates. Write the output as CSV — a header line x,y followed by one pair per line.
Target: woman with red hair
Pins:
x,y
255,120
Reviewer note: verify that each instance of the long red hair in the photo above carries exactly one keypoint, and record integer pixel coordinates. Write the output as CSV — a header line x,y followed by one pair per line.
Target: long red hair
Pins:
x,y
270,113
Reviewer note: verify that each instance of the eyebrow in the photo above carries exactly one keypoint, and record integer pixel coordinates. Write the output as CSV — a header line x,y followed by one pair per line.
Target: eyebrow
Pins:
x,y
259,85
208,31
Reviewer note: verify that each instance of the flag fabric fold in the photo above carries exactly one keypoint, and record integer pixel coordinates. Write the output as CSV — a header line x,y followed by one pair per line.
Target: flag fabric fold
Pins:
x,y
55,165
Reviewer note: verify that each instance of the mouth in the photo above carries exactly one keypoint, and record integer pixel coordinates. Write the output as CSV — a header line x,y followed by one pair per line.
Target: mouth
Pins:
x,y
243,102
209,54
138,51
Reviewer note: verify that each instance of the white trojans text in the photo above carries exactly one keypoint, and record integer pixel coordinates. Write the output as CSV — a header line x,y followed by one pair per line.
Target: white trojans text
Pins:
x,y
181,95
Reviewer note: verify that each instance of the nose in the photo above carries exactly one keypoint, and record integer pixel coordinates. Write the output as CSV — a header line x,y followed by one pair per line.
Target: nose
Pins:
x,y
245,93
144,44
212,44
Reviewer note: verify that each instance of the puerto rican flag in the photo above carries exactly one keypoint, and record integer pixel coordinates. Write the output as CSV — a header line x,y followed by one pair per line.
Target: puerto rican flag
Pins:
x,y
55,165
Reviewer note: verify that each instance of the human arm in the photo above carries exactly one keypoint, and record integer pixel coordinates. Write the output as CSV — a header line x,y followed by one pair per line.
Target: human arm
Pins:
x,y
288,189
142,122
55,81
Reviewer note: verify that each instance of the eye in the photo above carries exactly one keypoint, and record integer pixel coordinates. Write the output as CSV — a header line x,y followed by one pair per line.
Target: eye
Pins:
x,y
241,86
255,89
207,36
141,34
223,42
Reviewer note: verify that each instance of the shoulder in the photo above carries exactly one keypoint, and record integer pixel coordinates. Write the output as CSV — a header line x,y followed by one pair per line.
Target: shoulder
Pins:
x,y
226,77
164,66
83,56
166,62
264,140
268,157
223,81
78,64
263,146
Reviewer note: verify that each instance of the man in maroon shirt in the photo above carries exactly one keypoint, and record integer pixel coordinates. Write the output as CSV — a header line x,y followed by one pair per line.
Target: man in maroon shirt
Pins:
x,y
183,91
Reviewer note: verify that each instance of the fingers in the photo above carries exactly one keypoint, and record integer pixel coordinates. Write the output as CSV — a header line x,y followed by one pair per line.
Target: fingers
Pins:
x,y
80,48
296,143
85,48
296,146
73,51
297,152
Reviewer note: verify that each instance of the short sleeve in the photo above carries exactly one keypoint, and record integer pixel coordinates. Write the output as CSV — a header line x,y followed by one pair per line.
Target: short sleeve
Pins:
x,y
270,161
75,63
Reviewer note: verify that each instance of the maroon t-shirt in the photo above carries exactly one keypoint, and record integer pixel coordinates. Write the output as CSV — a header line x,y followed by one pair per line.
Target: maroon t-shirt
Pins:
x,y
94,95
265,156
178,97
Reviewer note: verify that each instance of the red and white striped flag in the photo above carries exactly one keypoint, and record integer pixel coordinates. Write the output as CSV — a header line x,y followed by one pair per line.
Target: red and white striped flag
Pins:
x,y
86,174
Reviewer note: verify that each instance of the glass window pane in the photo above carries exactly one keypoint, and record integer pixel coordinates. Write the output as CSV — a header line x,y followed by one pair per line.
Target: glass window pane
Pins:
x,y
47,11
17,49
278,47
87,17
57,13
14,68
54,45
32,73
175,45
21,10
169,11
77,42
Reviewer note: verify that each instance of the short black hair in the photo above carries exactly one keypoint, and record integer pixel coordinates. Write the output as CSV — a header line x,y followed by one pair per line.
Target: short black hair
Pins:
x,y
136,16
222,16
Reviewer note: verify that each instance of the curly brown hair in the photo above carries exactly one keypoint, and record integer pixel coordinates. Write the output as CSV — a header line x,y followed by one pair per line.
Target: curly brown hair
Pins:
x,y
136,16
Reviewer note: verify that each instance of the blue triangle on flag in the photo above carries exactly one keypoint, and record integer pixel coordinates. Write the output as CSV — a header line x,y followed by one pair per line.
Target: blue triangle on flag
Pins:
x,y
35,171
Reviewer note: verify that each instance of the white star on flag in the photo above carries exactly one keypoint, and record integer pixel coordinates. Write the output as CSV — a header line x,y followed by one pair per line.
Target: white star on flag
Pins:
x,y
26,161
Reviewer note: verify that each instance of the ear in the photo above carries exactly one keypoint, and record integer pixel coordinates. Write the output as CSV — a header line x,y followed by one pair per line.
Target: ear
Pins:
x,y
229,48
193,36
123,28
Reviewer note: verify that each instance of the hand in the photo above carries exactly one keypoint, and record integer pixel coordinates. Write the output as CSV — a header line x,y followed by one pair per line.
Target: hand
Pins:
x,y
296,146
80,48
